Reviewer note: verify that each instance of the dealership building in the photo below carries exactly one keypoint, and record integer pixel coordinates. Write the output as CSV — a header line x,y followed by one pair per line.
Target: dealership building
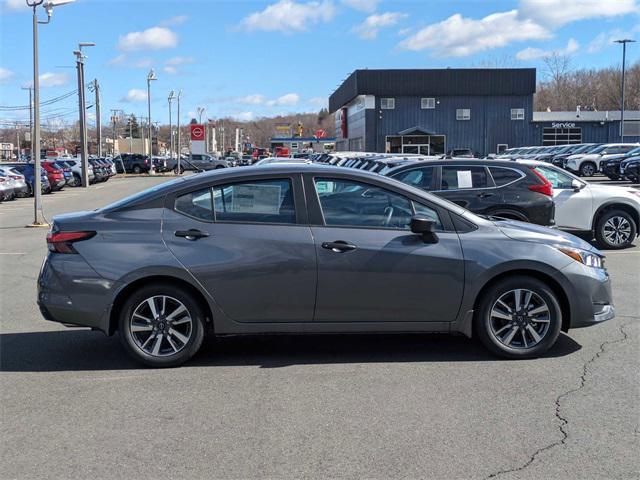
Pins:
x,y
433,111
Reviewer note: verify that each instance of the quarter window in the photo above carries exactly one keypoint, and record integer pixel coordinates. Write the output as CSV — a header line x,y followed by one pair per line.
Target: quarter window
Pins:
x,y
503,176
348,203
463,177
196,204
387,103
517,114
417,177
463,114
259,201
427,103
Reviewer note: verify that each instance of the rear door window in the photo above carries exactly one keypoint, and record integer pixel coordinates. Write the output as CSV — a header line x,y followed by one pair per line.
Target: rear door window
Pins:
x,y
464,177
256,201
504,176
196,204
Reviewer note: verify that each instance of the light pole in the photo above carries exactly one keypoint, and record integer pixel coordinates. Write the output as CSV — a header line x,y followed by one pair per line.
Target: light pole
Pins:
x,y
200,112
84,154
170,99
624,54
38,220
151,76
178,97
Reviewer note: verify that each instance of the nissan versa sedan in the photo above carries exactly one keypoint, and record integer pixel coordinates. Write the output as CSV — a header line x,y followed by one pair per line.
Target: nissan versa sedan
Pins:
x,y
313,249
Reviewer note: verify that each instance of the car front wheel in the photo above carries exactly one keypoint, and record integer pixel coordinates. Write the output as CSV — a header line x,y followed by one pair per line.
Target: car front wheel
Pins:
x,y
615,229
161,325
587,169
518,317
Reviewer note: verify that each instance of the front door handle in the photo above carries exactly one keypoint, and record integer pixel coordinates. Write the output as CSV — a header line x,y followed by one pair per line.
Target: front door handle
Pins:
x,y
485,195
191,234
339,246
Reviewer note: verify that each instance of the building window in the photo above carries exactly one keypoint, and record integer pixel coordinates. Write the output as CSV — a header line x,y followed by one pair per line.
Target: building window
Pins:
x,y
517,114
387,103
463,114
427,103
561,136
294,145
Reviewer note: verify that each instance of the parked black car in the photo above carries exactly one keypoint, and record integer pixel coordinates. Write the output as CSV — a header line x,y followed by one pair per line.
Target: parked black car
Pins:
x,y
499,188
132,162
99,171
630,169
611,166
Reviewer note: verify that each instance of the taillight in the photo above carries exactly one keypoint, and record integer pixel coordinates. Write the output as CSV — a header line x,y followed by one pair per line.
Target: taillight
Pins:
x,y
62,242
546,188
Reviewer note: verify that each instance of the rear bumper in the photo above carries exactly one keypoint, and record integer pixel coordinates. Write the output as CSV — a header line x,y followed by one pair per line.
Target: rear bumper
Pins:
x,y
72,293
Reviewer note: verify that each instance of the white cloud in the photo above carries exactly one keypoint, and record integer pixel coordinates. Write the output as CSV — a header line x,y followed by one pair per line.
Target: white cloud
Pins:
x,y
371,26
6,75
606,39
170,69
288,99
14,5
458,36
125,61
154,38
255,99
537,53
368,6
50,79
288,16
176,20
180,60
554,13
135,95
243,116
319,101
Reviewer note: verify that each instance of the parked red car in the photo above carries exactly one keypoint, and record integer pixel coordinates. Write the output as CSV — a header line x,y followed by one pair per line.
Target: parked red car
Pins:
x,y
55,175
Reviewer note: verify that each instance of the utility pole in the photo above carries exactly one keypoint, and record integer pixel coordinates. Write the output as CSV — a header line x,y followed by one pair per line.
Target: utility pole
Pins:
x,y
84,154
131,133
624,54
179,170
170,99
150,77
96,90
30,112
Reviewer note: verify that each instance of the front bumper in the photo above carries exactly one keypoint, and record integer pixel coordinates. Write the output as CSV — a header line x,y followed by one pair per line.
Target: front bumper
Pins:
x,y
590,296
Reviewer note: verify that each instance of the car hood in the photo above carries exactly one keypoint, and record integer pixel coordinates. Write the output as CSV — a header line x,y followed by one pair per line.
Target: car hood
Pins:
x,y
529,232
611,191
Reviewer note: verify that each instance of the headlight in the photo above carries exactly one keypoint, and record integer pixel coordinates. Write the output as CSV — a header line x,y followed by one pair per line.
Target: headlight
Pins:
x,y
589,259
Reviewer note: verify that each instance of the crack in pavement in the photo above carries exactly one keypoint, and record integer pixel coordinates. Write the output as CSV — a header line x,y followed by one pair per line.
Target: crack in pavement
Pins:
x,y
563,421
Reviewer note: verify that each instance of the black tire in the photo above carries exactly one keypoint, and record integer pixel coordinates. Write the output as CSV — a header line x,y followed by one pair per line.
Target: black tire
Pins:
x,y
196,334
615,219
77,180
137,170
613,177
175,170
219,166
588,169
483,322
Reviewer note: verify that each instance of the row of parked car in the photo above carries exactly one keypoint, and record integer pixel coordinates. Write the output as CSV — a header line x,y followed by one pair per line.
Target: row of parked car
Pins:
x,y
615,160
532,191
17,179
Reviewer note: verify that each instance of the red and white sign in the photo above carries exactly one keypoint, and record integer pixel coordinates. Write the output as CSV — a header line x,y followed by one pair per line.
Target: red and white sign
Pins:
x,y
320,134
197,133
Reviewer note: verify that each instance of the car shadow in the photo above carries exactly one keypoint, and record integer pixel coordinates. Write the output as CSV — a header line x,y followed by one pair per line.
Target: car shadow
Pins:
x,y
83,350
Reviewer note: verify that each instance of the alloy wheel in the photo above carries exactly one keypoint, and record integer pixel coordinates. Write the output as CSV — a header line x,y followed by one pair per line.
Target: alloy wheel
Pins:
x,y
519,319
161,326
617,230
588,170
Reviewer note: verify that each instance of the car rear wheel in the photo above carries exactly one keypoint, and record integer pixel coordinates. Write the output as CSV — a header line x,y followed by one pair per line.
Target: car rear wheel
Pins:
x,y
161,325
175,170
587,169
137,169
615,229
518,317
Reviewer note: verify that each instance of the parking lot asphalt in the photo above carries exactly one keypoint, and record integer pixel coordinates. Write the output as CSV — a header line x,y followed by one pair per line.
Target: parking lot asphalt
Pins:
x,y
378,406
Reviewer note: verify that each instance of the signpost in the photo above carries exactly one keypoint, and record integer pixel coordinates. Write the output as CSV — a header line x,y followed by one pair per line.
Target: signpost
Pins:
x,y
198,138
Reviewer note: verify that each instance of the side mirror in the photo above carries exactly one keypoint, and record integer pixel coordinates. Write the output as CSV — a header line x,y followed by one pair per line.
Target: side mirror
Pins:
x,y
577,185
425,227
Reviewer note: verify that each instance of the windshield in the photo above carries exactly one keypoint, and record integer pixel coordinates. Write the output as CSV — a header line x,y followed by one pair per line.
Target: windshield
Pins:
x,y
635,151
559,178
597,149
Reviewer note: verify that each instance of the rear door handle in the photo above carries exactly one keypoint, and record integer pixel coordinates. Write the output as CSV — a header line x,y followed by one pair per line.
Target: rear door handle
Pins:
x,y
485,195
191,234
339,246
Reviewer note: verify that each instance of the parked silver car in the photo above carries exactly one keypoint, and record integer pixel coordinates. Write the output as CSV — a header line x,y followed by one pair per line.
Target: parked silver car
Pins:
x,y
313,249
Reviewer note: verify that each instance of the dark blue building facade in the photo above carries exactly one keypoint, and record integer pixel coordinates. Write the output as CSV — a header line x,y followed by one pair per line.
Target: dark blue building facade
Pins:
x,y
434,111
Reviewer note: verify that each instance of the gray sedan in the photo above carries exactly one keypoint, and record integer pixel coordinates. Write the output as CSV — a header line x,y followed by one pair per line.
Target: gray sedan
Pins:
x,y
313,249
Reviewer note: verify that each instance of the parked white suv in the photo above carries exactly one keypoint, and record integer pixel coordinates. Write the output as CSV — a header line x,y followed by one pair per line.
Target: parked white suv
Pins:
x,y
587,164
610,214
76,168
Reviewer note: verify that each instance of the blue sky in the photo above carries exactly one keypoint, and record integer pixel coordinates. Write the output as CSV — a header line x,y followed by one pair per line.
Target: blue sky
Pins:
x,y
248,59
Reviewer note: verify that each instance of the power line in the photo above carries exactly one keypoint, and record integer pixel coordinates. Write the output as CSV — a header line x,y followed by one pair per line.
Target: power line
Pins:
x,y
46,102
